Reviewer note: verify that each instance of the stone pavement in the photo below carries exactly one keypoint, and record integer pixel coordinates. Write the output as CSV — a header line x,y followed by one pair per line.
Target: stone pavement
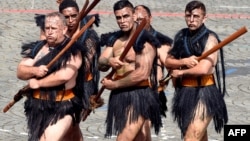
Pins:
x,y
17,26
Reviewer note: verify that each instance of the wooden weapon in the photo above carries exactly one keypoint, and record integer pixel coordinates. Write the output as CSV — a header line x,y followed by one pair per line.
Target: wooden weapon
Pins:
x,y
83,13
26,88
229,39
95,100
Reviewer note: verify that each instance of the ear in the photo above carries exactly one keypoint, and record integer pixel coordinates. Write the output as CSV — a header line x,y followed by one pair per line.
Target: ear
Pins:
x,y
65,29
150,19
135,17
204,19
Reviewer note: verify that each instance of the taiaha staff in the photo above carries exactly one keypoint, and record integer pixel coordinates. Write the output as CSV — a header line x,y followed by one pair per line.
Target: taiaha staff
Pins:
x,y
84,12
229,39
95,99
26,88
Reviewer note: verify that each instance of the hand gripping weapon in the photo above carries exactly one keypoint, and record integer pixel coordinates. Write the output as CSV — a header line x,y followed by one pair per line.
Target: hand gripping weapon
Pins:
x,y
229,39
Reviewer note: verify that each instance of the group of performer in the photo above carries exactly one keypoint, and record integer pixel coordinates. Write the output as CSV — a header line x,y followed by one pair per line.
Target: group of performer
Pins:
x,y
60,93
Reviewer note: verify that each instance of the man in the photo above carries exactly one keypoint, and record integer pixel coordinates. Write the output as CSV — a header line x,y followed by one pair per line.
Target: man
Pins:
x,y
89,39
142,11
55,100
197,99
132,101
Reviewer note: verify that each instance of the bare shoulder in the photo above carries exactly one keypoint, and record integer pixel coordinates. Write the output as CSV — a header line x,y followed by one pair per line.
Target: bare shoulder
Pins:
x,y
147,49
211,41
27,62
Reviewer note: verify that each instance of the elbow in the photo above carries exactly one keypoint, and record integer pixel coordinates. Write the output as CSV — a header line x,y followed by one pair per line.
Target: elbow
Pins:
x,y
166,63
19,76
169,63
167,66
203,71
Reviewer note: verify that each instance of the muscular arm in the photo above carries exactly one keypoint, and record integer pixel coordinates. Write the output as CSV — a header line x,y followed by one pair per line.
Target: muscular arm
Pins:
x,y
205,66
64,75
103,61
26,70
173,63
163,52
143,66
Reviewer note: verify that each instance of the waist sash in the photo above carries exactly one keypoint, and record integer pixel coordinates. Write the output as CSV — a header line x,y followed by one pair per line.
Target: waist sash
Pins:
x,y
60,96
198,81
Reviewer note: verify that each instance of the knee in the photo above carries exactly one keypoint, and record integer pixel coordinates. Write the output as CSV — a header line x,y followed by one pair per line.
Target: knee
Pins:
x,y
195,135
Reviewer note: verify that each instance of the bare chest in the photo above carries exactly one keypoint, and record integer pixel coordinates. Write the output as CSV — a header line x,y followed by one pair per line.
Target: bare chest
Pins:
x,y
43,51
119,48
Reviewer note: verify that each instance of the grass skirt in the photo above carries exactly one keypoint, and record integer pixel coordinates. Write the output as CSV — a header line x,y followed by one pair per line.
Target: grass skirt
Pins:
x,y
187,99
163,103
140,101
41,113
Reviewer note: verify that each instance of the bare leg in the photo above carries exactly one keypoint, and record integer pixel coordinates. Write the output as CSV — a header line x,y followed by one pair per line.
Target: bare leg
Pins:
x,y
74,134
131,130
144,134
197,129
205,138
57,132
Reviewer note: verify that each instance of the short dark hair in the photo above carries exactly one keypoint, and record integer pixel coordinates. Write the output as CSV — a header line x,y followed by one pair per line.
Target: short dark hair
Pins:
x,y
68,3
195,4
122,4
146,8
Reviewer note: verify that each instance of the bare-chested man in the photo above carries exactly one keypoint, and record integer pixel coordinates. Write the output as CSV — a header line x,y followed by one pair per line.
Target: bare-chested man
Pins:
x,y
142,11
54,102
132,101
90,40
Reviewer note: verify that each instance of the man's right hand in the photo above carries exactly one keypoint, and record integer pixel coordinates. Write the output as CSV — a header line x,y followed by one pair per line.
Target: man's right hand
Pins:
x,y
41,71
115,63
190,62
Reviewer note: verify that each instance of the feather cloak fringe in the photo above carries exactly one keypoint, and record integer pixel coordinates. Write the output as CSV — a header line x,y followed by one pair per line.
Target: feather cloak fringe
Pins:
x,y
91,40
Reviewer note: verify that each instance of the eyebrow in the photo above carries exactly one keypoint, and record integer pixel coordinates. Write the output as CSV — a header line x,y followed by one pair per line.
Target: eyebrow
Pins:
x,y
125,15
72,15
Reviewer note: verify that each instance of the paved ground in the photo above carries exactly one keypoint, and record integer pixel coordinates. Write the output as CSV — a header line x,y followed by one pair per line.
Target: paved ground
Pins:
x,y
225,17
